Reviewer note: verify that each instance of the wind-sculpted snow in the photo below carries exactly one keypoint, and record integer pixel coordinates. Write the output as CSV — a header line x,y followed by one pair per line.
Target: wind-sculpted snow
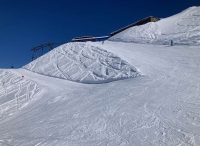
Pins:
x,y
15,92
159,108
82,63
144,33
183,28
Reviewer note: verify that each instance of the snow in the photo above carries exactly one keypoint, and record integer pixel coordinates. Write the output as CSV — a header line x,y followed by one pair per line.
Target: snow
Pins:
x,y
83,63
183,28
15,92
156,103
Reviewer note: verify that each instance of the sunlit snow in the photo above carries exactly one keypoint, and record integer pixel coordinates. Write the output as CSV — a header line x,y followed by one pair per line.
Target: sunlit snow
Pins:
x,y
182,28
139,90
83,63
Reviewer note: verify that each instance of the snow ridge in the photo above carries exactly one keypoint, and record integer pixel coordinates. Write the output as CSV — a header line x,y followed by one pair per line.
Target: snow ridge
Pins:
x,y
83,63
146,32
160,108
183,28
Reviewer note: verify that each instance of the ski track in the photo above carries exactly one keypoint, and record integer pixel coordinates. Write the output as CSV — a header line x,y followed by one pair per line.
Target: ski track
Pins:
x,y
16,93
136,112
183,29
79,62
161,107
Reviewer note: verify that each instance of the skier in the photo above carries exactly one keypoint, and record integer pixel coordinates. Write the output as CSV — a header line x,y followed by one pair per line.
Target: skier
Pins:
x,y
172,43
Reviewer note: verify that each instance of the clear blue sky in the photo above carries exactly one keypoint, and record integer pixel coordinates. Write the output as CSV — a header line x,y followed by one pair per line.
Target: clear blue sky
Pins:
x,y
25,24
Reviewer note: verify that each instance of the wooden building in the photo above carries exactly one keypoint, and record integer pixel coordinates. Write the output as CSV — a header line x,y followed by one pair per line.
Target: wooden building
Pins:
x,y
140,22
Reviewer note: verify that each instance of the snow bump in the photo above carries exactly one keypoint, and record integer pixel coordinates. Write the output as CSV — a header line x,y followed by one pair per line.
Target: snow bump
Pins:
x,y
182,28
83,63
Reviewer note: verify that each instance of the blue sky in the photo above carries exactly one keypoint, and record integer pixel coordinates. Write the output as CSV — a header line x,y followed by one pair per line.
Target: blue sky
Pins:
x,y
25,24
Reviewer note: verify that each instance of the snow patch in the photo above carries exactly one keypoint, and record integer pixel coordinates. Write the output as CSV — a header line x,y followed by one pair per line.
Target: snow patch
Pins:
x,y
146,32
15,93
183,28
83,63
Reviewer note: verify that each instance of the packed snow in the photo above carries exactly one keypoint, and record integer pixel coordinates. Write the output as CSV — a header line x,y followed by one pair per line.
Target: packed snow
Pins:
x,y
157,103
83,63
182,28
15,93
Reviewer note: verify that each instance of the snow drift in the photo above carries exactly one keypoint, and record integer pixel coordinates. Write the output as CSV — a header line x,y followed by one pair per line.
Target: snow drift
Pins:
x,y
83,63
183,28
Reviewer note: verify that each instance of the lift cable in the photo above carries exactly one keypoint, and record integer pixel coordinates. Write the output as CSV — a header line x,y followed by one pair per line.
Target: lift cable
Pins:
x,y
42,46
20,57
17,59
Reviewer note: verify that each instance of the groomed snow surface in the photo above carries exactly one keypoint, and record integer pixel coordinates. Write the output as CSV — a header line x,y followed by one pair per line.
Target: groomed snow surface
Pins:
x,y
116,93
182,28
82,63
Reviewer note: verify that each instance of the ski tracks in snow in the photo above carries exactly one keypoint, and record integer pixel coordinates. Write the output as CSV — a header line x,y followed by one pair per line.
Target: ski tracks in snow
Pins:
x,y
80,62
18,92
161,109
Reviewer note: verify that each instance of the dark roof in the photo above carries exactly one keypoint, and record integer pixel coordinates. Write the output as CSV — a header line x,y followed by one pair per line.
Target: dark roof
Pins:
x,y
140,22
83,37
89,38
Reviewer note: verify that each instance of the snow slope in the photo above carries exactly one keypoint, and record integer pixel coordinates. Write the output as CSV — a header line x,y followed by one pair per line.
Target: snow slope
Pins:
x,y
15,92
182,28
159,108
82,63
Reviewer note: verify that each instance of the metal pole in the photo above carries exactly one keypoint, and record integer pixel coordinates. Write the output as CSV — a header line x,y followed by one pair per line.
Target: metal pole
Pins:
x,y
50,46
32,57
35,50
42,46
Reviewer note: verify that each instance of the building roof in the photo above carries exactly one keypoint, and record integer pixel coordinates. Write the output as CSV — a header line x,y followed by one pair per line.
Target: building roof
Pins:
x,y
140,22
